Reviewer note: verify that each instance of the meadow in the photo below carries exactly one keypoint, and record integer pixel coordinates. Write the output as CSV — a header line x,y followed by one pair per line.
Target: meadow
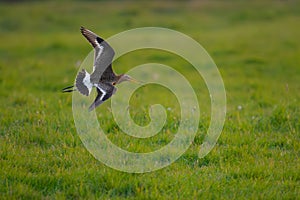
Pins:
x,y
256,47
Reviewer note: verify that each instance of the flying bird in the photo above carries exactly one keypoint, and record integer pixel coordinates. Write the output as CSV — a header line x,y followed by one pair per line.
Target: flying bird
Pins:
x,y
103,77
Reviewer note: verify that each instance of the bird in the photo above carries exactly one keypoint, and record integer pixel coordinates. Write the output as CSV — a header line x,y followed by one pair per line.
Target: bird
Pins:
x,y
102,77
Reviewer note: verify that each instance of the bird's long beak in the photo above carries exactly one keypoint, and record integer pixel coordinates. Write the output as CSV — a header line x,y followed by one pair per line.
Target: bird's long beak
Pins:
x,y
135,81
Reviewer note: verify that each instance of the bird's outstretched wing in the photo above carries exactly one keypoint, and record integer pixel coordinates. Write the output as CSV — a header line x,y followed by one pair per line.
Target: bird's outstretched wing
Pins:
x,y
104,92
104,54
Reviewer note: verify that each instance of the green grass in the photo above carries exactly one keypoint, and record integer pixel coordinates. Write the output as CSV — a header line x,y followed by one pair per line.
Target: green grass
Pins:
x,y
256,47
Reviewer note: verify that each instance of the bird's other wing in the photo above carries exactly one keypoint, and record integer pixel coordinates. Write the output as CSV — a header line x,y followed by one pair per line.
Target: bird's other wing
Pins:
x,y
104,54
104,92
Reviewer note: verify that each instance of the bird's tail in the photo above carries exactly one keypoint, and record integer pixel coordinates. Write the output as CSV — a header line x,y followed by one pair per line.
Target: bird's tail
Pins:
x,y
68,89
83,83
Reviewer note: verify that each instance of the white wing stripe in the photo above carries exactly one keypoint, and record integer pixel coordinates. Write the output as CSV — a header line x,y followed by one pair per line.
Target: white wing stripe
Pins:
x,y
103,91
97,43
99,52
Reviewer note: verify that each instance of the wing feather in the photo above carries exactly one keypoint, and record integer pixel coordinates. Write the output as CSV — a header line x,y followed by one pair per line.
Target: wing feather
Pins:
x,y
104,92
104,54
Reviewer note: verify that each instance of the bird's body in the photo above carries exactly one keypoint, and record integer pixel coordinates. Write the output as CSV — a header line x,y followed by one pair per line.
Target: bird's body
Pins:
x,y
102,77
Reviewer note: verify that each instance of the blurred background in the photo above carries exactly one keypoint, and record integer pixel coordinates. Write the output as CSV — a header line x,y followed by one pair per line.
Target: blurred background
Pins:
x,y
256,47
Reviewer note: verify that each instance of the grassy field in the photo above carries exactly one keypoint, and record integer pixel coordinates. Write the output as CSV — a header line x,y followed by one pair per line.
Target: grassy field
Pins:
x,y
256,46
